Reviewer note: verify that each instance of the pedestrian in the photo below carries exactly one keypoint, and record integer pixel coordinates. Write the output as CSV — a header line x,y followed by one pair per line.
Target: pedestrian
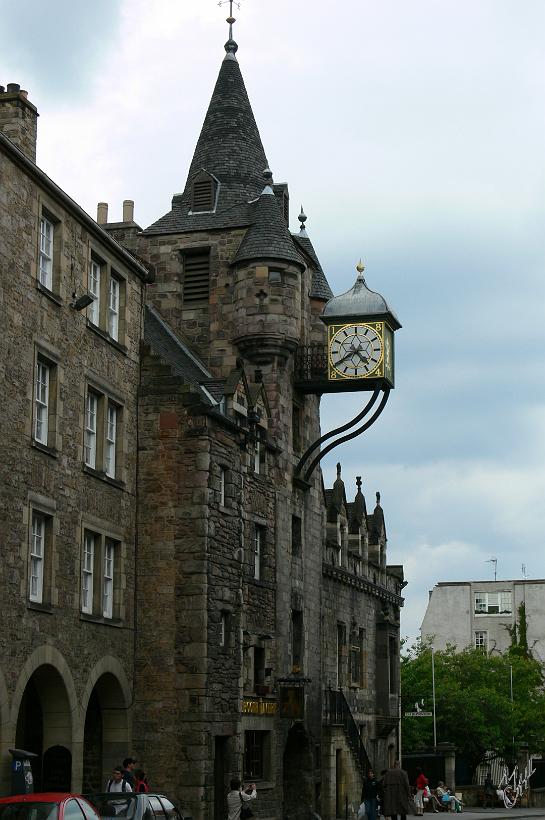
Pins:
x,y
140,781
489,792
421,783
238,796
369,795
118,782
128,771
397,793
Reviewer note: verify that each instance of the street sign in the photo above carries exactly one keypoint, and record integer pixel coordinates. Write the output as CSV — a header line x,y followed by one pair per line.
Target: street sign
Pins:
x,y
418,714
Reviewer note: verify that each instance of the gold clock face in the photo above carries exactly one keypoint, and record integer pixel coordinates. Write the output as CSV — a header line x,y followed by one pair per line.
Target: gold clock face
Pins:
x,y
356,351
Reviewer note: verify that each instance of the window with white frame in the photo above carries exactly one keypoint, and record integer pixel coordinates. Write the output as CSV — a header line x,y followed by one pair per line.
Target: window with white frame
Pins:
x,y
101,435
259,542
108,579
88,571
41,401
113,308
93,311
494,603
481,641
90,443
37,556
100,584
111,440
45,264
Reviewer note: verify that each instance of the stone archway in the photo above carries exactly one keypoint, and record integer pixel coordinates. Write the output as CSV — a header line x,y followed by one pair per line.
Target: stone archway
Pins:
x,y
43,723
298,774
107,726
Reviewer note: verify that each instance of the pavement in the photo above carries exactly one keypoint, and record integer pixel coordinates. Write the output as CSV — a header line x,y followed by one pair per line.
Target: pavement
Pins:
x,y
478,813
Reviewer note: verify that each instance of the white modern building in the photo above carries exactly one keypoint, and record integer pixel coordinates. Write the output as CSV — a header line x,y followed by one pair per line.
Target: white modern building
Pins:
x,y
477,613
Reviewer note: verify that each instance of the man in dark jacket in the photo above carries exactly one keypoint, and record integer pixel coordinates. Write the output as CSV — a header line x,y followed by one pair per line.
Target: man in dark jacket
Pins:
x,y
397,793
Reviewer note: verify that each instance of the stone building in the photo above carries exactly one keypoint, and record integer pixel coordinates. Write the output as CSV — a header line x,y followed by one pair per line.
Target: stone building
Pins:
x,y
245,601
480,613
69,379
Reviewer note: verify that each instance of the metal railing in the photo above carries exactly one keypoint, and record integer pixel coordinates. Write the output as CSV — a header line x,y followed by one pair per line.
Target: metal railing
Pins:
x,y
338,713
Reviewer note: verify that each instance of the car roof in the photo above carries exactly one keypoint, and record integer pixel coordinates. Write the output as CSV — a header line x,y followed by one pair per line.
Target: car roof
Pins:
x,y
39,797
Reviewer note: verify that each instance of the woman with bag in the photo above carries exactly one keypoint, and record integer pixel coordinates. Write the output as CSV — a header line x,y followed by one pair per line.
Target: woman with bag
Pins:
x,y
238,800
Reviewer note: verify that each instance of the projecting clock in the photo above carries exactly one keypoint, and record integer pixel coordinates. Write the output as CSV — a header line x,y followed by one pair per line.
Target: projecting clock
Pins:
x,y
356,350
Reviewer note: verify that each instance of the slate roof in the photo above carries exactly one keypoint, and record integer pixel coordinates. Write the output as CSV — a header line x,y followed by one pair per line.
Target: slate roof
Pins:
x,y
230,148
320,286
268,235
164,343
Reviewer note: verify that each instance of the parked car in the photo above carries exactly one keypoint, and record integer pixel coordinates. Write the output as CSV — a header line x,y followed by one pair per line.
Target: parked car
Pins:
x,y
46,806
133,806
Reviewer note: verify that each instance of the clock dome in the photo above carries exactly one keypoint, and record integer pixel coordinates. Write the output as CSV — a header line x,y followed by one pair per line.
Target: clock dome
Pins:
x,y
360,302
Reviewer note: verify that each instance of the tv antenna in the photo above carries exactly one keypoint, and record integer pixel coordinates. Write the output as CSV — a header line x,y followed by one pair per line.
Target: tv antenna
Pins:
x,y
495,562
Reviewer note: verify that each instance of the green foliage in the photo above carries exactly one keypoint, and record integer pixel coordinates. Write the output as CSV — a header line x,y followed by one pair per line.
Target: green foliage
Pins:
x,y
473,702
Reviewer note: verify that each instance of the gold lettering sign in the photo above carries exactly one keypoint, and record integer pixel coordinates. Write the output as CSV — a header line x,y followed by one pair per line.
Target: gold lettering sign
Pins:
x,y
253,706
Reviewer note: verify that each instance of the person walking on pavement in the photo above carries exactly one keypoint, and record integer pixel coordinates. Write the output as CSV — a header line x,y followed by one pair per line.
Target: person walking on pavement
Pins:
x,y
128,766
118,782
421,783
397,793
369,795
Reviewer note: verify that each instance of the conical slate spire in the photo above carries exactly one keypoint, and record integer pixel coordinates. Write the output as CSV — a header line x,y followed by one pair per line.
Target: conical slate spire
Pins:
x,y
268,236
230,149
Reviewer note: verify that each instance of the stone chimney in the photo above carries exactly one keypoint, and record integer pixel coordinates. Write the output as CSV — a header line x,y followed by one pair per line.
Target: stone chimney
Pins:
x,y
128,210
18,119
102,213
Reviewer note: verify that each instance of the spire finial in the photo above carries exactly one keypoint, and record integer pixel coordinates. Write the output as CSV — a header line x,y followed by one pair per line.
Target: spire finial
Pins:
x,y
230,46
302,219
358,483
360,267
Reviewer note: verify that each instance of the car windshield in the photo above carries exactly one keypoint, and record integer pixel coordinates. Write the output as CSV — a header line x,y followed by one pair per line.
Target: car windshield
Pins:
x,y
28,811
113,805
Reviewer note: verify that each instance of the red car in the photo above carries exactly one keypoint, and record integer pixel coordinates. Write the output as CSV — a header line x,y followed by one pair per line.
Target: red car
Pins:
x,y
46,806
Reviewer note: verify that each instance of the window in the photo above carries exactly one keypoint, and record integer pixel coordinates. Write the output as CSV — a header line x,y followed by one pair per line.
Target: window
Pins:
x,y
296,428
87,572
93,311
113,308
256,755
275,277
259,669
297,640
259,541
259,456
223,629
45,267
101,445
37,555
481,641
196,276
111,440
493,603
108,580
100,574
392,661
223,476
341,650
41,402
296,539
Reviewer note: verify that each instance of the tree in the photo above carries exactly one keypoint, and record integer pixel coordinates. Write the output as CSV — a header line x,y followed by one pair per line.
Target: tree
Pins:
x,y
474,708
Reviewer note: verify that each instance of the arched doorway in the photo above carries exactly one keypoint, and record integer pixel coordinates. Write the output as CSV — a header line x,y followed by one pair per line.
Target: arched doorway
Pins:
x,y
106,734
298,774
44,723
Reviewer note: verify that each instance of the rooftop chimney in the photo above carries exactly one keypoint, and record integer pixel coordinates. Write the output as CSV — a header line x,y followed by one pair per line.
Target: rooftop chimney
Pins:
x,y
19,119
128,210
102,213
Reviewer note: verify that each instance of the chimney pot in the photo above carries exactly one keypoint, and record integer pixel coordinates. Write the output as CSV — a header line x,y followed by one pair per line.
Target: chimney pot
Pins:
x,y
2,89
102,213
23,94
13,88
128,210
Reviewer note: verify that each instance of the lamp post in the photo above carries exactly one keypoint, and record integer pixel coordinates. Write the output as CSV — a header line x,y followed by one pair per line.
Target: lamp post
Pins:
x,y
433,698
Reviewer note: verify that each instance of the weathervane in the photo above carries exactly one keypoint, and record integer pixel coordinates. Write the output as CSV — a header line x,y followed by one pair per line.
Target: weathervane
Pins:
x,y
230,19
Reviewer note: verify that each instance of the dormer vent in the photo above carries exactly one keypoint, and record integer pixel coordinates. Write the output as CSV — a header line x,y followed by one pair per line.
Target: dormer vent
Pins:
x,y
203,193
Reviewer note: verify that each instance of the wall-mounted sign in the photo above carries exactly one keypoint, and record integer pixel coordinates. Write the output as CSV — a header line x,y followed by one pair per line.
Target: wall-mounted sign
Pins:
x,y
257,706
292,702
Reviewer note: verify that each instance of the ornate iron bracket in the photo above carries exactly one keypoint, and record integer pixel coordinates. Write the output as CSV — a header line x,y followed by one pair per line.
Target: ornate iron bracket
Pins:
x,y
304,480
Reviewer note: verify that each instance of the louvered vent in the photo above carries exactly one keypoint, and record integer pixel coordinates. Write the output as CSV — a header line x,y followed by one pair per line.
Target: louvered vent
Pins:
x,y
203,194
196,276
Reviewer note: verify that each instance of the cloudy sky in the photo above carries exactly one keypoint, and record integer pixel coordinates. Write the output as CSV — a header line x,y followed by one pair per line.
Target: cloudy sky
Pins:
x,y
412,134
